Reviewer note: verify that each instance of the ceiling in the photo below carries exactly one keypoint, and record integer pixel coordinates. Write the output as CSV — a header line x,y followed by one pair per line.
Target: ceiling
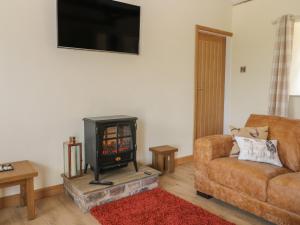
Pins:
x,y
235,2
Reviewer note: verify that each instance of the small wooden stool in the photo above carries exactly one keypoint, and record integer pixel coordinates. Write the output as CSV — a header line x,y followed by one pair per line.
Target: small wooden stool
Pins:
x,y
163,158
23,175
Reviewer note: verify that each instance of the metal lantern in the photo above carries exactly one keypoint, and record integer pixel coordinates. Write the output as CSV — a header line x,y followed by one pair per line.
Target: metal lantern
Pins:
x,y
72,158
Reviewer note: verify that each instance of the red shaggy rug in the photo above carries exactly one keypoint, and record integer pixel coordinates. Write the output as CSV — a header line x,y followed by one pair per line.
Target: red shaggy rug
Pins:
x,y
156,207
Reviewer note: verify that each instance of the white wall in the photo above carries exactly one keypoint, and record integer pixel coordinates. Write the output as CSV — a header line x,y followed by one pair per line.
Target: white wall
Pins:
x,y
295,68
45,91
253,44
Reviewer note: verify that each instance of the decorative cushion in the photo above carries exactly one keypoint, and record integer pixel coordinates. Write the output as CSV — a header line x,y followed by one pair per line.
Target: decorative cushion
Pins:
x,y
284,192
258,150
250,178
286,132
248,132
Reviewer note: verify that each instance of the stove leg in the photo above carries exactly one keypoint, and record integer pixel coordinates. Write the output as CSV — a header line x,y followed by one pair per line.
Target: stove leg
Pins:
x,y
135,166
86,167
98,181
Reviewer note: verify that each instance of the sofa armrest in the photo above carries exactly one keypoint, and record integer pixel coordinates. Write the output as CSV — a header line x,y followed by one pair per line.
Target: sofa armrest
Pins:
x,y
212,147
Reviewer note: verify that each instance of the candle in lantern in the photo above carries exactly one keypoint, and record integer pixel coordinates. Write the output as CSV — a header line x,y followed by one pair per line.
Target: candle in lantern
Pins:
x,y
73,161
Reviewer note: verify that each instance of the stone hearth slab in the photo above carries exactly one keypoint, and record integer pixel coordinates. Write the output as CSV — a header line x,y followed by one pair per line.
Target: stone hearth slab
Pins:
x,y
126,181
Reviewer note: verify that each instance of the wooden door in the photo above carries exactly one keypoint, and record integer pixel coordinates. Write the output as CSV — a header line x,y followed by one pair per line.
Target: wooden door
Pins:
x,y
210,84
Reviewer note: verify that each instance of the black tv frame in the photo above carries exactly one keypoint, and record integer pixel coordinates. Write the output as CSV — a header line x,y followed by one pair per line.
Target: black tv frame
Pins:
x,y
99,50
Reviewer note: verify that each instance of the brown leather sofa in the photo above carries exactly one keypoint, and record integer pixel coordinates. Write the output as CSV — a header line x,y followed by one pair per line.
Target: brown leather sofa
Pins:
x,y
267,191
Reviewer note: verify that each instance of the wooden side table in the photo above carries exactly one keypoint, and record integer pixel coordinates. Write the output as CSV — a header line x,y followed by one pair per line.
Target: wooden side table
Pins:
x,y
23,175
163,158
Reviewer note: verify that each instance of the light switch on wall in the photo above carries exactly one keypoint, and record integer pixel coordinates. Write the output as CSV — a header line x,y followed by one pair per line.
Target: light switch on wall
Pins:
x,y
243,69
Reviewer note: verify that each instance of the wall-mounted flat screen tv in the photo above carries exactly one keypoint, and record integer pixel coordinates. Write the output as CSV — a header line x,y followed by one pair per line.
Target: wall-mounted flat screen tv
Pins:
x,y
98,25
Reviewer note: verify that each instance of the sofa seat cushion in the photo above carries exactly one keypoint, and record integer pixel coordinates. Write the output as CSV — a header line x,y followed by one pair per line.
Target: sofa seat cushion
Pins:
x,y
284,192
250,178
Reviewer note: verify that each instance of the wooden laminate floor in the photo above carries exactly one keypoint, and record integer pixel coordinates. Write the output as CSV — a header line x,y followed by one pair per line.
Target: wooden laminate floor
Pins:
x,y
60,210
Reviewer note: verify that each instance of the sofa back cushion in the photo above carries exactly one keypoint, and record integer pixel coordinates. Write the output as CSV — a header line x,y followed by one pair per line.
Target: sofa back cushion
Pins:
x,y
287,132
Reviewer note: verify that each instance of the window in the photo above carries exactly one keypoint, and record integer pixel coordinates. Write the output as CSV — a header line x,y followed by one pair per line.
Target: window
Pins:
x,y
295,66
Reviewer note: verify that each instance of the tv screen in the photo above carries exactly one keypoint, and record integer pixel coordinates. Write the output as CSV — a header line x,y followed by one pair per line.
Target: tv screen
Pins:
x,y
98,25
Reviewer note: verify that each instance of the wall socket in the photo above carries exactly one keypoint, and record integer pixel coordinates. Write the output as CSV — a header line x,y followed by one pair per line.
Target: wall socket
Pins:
x,y
243,69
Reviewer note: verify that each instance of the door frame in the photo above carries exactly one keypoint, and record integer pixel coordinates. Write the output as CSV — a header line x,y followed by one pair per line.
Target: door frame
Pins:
x,y
203,29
